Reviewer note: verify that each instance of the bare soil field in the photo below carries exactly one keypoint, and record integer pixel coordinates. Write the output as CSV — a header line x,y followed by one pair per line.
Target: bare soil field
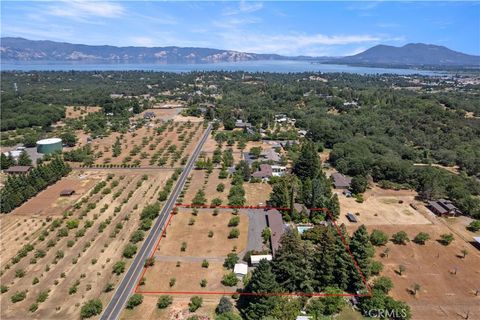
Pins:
x,y
75,112
443,294
181,118
49,202
74,264
163,114
382,207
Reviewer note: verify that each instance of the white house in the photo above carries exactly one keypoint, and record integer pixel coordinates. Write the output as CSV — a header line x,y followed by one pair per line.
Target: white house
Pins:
x,y
255,259
278,171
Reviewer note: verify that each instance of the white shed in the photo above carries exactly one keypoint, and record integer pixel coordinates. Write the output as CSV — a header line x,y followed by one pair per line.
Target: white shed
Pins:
x,y
240,270
255,259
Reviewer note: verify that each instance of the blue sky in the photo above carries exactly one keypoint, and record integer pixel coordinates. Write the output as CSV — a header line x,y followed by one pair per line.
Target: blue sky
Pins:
x,y
289,28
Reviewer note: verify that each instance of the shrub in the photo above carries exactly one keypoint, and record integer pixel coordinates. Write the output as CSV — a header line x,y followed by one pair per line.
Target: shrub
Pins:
x,y
234,221
109,287
421,238
118,267
383,284
220,187
137,236
135,300
230,279
3,288
210,234
474,226
72,224
446,239
216,202
172,282
224,306
191,222
33,307
376,267
203,283
400,237
129,251
18,296
183,247
150,262
205,264
234,233
42,296
91,308
195,303
19,273
164,301
378,238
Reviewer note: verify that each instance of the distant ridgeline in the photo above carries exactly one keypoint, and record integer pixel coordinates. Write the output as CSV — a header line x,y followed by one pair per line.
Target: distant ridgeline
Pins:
x,y
19,188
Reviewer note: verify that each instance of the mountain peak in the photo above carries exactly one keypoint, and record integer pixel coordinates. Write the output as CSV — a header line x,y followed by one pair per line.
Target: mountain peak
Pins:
x,y
412,54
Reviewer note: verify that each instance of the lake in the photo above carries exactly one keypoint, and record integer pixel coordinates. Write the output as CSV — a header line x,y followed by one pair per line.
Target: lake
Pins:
x,y
247,66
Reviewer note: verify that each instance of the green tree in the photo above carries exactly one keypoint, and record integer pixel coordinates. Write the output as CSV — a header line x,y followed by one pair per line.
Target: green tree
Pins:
x,y
263,280
230,261
358,184
421,238
363,252
400,237
308,162
383,284
135,300
195,303
224,306
24,159
91,308
69,138
164,301
378,238
446,239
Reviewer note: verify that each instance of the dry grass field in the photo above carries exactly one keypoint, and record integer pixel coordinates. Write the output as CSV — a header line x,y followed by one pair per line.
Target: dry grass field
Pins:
x,y
146,147
75,112
177,311
382,207
443,294
186,266
73,262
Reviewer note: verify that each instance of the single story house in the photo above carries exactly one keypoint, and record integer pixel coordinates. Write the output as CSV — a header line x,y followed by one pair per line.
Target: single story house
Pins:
x,y
240,270
240,124
443,207
341,181
265,172
67,192
18,169
275,223
255,259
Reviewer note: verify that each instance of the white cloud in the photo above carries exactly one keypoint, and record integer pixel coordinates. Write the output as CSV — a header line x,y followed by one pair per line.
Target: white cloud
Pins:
x,y
244,7
300,44
83,10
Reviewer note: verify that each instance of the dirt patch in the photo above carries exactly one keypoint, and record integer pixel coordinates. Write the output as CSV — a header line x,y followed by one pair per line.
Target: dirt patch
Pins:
x,y
382,207
257,194
75,112
49,202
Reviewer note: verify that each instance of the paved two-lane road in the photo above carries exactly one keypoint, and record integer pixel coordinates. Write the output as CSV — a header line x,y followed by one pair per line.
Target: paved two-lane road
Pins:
x,y
129,281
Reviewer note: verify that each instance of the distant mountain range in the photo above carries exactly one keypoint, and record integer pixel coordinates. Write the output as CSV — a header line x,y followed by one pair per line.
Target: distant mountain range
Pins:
x,y
413,54
410,55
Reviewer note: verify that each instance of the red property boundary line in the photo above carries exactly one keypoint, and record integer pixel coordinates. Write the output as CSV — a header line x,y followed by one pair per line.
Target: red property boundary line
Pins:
x,y
180,205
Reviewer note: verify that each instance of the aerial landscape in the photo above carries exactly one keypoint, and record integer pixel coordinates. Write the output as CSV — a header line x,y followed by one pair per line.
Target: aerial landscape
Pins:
x,y
240,160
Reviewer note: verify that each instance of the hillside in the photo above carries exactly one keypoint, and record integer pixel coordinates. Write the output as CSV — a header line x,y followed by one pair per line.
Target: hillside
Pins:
x,y
19,49
413,54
